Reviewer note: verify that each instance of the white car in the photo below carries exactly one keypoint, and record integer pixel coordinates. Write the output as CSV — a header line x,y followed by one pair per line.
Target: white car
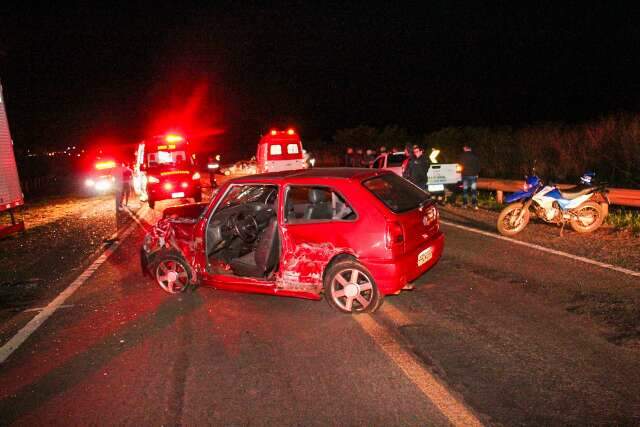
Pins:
x,y
439,175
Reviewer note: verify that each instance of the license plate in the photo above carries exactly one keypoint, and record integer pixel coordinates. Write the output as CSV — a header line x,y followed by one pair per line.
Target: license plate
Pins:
x,y
176,195
435,187
425,256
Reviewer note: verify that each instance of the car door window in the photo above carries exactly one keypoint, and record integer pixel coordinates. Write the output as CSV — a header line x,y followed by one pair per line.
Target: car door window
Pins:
x,y
378,163
306,204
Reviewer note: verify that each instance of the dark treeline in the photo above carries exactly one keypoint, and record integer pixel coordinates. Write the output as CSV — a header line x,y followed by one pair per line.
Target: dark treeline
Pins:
x,y
609,146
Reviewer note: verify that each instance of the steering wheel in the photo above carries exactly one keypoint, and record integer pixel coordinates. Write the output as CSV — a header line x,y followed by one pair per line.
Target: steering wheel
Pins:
x,y
245,226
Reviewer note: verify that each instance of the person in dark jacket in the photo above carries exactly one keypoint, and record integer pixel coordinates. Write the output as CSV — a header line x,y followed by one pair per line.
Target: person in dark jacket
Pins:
x,y
470,171
348,158
418,168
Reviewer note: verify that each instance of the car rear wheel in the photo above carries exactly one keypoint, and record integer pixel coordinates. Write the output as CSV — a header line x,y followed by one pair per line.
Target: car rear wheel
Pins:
x,y
350,288
172,274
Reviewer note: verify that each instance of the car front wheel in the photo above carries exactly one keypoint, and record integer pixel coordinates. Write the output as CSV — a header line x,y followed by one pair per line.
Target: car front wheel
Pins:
x,y
172,274
349,287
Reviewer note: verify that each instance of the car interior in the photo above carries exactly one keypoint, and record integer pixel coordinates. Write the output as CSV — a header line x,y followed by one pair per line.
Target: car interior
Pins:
x,y
242,234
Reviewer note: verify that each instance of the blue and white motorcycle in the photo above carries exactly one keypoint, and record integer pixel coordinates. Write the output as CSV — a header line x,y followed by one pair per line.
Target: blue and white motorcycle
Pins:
x,y
584,206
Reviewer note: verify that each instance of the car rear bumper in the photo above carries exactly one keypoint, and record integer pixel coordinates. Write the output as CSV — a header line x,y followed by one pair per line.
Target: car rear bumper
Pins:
x,y
393,275
157,192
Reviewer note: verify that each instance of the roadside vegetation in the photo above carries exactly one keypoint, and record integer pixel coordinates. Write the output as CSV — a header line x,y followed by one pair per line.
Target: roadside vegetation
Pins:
x,y
610,146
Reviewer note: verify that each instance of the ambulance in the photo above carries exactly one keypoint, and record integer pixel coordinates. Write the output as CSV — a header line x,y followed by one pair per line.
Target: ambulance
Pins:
x,y
280,150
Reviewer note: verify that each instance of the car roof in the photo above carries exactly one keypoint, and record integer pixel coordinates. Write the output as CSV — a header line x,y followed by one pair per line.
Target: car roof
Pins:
x,y
313,174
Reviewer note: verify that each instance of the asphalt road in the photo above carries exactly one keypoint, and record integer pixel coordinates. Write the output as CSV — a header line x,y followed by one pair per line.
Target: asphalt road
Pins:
x,y
511,335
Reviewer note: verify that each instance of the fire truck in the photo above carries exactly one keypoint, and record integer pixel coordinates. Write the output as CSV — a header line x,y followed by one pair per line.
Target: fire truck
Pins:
x,y
164,169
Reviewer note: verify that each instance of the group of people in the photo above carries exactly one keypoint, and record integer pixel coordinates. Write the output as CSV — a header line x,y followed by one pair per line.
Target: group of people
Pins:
x,y
360,158
416,166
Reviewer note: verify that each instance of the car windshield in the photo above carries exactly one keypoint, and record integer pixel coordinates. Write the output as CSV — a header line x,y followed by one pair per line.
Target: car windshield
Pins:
x,y
240,194
395,159
396,193
168,158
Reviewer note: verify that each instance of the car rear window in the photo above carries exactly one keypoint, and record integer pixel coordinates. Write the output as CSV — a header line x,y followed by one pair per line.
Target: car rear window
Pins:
x,y
396,193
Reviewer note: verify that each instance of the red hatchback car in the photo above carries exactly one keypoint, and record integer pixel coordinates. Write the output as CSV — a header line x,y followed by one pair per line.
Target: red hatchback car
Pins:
x,y
353,235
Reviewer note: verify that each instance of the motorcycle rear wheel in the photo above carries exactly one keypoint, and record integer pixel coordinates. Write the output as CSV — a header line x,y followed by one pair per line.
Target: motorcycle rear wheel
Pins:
x,y
589,219
507,221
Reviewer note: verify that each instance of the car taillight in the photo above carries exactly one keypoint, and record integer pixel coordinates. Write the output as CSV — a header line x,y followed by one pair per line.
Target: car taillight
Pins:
x,y
458,168
196,175
394,235
152,179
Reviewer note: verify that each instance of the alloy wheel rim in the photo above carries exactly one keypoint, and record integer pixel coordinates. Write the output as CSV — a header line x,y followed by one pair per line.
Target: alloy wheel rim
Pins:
x,y
351,290
171,276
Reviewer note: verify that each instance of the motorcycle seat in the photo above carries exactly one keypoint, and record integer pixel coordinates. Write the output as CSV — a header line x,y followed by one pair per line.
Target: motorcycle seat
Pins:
x,y
575,192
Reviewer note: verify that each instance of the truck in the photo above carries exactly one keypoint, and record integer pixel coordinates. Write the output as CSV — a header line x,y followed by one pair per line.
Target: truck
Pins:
x,y
11,196
164,169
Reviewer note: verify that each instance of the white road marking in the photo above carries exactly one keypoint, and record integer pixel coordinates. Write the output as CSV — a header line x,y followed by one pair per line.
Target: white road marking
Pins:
x,y
448,405
29,310
17,340
135,216
397,317
547,250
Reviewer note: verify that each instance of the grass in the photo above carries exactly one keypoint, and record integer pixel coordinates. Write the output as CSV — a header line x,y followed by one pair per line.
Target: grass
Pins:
x,y
625,219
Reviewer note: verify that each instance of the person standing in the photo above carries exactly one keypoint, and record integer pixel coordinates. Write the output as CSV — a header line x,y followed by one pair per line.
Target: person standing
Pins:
x,y
418,168
127,181
470,170
408,156
348,158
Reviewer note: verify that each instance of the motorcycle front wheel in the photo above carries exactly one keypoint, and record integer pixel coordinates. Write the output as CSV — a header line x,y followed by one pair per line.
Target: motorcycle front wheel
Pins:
x,y
588,218
509,222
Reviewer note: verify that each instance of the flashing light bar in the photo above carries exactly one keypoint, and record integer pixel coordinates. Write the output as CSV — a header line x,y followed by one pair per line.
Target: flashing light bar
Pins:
x,y
174,173
289,131
173,138
110,164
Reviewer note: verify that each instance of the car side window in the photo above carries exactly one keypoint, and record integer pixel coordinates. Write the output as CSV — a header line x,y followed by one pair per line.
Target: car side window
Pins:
x,y
377,163
306,204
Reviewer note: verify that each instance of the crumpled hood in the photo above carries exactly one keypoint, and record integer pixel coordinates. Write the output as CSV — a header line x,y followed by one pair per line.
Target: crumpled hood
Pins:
x,y
186,212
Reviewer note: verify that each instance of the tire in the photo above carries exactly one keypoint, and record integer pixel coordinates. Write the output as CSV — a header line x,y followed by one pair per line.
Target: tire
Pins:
x,y
348,293
163,270
152,203
592,210
504,224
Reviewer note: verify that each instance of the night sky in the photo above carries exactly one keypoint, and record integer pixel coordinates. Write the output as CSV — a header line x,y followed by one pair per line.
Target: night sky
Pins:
x,y
85,75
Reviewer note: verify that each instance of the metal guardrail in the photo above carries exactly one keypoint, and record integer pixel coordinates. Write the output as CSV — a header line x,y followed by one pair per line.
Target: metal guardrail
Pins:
x,y
617,196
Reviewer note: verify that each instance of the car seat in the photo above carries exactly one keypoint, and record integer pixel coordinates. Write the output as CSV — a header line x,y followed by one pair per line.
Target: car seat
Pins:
x,y
261,261
320,207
